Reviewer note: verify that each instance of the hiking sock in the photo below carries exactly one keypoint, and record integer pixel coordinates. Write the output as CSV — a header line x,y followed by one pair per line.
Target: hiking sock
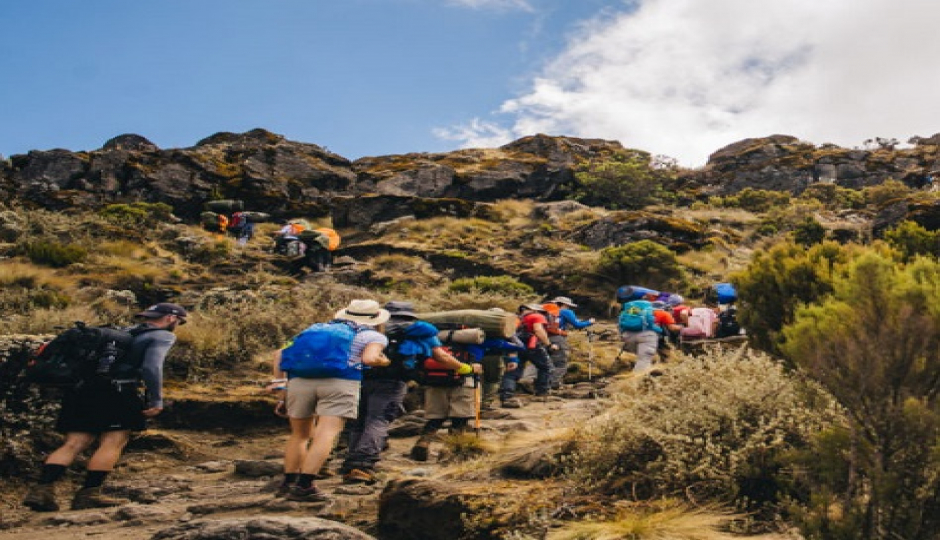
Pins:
x,y
290,478
94,479
459,425
305,480
51,473
432,426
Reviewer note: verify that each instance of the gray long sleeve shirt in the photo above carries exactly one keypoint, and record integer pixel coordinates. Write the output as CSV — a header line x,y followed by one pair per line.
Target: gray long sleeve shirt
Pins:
x,y
151,348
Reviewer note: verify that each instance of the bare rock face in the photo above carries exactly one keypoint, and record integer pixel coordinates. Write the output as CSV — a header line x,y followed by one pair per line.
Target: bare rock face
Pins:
x,y
625,227
130,142
785,163
268,528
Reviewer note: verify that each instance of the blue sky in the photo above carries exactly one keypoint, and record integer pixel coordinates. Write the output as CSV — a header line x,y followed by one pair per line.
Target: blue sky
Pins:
x,y
372,77
361,77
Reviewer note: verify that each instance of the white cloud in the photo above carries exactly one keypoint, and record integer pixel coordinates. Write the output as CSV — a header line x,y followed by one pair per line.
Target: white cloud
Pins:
x,y
686,77
494,4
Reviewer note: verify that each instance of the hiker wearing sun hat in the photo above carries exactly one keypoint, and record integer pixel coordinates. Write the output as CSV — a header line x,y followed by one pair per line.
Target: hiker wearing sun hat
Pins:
x,y
566,321
323,369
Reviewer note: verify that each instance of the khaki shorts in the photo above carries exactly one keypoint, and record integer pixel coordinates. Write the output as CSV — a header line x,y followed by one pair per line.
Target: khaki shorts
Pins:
x,y
449,402
322,397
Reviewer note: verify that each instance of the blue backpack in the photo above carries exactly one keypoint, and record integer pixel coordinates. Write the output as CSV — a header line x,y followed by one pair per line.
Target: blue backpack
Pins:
x,y
637,316
321,351
725,293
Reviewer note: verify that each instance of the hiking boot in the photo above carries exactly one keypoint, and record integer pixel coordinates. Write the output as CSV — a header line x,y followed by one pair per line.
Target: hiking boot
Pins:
x,y
282,490
511,403
93,498
360,476
421,449
310,494
41,498
324,473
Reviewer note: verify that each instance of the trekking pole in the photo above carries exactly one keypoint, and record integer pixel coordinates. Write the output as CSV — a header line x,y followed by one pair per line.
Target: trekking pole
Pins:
x,y
590,340
477,401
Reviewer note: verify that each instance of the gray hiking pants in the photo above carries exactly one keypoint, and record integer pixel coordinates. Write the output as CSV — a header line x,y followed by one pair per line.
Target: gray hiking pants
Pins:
x,y
645,344
379,404
559,360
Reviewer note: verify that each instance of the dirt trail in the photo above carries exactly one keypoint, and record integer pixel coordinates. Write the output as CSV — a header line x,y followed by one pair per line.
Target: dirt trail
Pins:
x,y
190,475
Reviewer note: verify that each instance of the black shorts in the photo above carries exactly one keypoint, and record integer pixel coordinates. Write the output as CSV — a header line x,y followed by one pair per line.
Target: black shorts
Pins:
x,y
100,407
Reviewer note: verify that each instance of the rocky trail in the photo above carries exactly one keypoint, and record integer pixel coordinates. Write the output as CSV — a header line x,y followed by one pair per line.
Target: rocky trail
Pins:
x,y
183,482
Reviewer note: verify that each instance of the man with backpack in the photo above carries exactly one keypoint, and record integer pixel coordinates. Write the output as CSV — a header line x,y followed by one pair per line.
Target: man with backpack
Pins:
x,y
534,337
384,388
108,409
566,320
640,333
322,367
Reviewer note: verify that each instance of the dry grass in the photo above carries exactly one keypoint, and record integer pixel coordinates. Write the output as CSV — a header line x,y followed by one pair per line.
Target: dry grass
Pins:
x,y
664,520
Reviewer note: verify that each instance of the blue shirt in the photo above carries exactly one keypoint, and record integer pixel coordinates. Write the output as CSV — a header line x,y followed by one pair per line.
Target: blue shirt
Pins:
x,y
567,319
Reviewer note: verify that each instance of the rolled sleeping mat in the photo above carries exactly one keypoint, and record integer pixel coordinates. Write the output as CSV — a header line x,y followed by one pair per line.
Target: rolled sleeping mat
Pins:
x,y
497,324
628,293
462,336
209,219
256,217
226,206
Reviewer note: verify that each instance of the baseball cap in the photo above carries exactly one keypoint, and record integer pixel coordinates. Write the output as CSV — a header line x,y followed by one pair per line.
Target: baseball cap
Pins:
x,y
162,309
401,309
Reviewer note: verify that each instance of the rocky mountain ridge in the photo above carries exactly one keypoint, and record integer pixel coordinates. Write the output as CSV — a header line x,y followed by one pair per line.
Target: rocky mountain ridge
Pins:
x,y
284,177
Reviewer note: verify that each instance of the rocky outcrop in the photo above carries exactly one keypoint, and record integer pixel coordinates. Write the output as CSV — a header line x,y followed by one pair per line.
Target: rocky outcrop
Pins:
x,y
785,163
624,227
924,213
266,527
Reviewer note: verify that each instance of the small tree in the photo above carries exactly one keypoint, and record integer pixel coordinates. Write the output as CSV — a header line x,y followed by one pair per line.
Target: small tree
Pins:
x,y
912,240
809,233
875,346
629,180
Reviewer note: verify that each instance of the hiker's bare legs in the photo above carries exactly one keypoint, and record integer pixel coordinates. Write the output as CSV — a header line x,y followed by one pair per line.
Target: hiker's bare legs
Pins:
x,y
296,450
75,444
110,446
324,435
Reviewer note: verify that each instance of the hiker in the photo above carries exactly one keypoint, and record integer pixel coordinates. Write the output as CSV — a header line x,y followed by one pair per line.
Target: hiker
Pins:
x,y
497,355
286,237
640,333
384,388
242,228
109,410
668,329
537,345
316,254
318,406
449,394
558,335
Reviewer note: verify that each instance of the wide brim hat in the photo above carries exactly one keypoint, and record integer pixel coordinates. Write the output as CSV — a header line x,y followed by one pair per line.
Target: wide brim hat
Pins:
x,y
367,312
564,300
533,307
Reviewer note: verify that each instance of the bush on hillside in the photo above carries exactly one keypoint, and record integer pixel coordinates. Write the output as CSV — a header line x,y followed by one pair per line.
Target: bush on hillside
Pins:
x,y
874,344
833,196
630,180
52,253
507,285
716,427
752,200
913,240
777,281
644,262
138,214
888,191
809,233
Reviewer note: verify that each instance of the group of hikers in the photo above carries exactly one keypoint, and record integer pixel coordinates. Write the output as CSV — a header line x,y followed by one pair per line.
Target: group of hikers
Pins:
x,y
652,322
347,376
305,246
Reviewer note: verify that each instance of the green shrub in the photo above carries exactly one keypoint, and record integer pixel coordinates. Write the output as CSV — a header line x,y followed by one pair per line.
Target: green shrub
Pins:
x,y
716,427
912,240
54,254
137,214
644,262
810,232
507,285
890,190
833,196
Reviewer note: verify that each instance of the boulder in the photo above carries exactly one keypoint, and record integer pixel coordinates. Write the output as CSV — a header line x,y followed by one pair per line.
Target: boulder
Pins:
x,y
625,227
130,142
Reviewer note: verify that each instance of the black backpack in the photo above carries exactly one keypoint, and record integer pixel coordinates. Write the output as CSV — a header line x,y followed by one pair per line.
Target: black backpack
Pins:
x,y
402,367
84,353
728,323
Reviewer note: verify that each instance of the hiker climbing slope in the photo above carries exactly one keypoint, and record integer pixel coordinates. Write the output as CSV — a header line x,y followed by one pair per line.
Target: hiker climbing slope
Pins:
x,y
566,321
